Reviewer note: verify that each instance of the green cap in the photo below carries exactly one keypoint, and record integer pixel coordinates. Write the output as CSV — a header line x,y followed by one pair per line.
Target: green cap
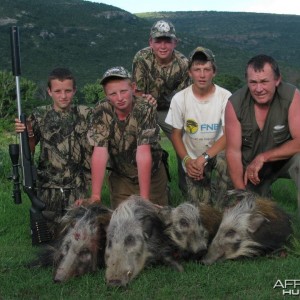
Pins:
x,y
208,54
163,28
115,72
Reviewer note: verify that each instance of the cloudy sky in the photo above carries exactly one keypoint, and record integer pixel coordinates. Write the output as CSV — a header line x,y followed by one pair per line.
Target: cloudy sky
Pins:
x,y
272,6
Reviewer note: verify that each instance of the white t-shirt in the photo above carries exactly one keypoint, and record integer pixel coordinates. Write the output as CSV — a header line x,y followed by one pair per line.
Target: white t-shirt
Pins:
x,y
202,121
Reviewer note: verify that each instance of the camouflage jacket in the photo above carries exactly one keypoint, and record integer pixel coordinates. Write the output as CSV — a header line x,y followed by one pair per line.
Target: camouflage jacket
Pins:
x,y
162,82
64,160
122,137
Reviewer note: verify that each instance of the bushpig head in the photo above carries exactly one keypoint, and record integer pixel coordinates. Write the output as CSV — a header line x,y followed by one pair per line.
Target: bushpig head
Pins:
x,y
184,228
79,246
252,227
134,239
78,252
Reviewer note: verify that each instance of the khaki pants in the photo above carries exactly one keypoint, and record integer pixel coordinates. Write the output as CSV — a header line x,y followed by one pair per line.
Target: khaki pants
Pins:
x,y
121,188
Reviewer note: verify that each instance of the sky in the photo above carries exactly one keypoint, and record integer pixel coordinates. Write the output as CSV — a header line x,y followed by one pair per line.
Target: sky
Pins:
x,y
259,6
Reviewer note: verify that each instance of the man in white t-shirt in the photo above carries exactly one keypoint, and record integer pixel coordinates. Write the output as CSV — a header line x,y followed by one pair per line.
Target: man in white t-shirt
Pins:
x,y
196,115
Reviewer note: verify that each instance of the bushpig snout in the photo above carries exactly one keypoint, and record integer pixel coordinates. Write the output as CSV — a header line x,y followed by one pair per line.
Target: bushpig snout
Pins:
x,y
125,254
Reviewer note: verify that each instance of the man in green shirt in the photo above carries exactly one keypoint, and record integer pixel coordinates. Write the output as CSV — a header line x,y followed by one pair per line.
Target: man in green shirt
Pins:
x,y
263,129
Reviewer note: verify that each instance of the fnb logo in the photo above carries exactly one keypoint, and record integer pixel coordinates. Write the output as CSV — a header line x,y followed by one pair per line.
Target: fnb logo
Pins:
x,y
210,127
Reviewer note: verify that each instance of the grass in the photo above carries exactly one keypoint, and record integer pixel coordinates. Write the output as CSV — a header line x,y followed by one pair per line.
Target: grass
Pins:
x,y
242,279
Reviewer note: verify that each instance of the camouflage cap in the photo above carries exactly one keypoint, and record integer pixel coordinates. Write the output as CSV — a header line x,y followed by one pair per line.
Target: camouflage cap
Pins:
x,y
163,28
115,72
208,54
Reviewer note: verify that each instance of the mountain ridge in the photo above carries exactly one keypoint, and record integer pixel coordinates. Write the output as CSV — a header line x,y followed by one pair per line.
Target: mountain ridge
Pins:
x,y
90,37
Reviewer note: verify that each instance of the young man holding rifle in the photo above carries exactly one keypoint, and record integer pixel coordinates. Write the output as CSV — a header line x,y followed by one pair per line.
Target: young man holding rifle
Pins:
x,y
63,172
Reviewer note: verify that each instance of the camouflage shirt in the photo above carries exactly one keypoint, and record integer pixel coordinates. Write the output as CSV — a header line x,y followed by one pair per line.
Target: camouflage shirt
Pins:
x,y
162,82
122,137
64,160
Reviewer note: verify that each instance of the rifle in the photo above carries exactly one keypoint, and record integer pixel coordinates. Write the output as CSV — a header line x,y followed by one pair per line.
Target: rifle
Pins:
x,y
39,229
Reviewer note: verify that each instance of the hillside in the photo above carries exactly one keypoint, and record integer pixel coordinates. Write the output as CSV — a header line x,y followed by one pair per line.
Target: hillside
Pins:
x,y
91,37
85,36
236,37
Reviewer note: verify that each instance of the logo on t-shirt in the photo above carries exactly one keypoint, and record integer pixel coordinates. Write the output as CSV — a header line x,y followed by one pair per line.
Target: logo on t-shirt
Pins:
x,y
191,126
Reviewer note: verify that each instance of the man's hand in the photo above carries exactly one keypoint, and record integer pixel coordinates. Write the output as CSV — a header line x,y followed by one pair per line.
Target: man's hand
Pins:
x,y
194,169
252,170
90,200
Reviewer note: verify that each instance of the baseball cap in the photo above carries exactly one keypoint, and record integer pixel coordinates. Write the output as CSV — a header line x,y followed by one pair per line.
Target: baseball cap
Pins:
x,y
163,28
115,72
208,54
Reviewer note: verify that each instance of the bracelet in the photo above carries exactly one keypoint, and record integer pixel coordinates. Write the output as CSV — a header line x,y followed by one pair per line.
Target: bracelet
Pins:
x,y
185,159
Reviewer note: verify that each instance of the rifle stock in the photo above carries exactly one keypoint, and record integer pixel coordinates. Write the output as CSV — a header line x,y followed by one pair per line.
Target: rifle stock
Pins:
x,y
39,230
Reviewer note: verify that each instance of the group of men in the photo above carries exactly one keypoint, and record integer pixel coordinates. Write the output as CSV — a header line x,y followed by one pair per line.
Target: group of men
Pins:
x,y
248,139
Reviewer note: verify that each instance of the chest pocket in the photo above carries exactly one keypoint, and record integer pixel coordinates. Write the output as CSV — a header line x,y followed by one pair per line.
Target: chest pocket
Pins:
x,y
281,134
247,136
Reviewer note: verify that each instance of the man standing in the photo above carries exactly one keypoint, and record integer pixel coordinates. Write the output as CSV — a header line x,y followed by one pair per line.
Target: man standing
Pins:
x,y
197,117
124,132
263,129
161,71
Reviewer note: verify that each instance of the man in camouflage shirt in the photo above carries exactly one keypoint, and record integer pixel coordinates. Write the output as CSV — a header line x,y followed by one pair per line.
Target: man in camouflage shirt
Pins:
x,y
124,131
162,71
63,172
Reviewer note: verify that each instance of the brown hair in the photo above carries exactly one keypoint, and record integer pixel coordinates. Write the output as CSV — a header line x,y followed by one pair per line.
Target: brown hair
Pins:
x,y
61,74
258,62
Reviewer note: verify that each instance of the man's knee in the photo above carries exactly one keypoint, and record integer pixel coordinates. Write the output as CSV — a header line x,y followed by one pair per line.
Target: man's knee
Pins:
x,y
295,162
294,169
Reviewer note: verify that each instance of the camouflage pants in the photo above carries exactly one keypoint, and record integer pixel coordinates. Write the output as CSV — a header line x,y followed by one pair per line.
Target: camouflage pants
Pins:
x,y
57,200
212,189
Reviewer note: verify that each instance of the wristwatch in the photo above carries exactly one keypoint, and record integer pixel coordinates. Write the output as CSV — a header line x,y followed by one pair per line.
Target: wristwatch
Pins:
x,y
206,156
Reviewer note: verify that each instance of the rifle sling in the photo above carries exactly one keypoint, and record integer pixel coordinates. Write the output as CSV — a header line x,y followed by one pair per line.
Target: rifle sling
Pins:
x,y
31,137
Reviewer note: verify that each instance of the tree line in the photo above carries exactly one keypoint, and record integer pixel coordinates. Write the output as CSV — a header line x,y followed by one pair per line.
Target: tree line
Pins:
x,y
33,95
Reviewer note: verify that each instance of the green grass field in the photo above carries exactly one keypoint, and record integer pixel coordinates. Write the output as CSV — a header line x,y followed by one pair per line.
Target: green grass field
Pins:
x,y
242,279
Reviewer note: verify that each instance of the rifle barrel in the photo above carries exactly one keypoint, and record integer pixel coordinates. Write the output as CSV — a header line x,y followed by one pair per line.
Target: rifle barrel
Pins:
x,y
15,51
16,63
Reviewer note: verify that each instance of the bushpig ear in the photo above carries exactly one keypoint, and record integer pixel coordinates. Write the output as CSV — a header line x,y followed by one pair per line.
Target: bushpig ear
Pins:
x,y
165,214
148,227
255,222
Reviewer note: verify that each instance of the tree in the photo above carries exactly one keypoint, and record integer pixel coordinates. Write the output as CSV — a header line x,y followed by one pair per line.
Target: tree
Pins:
x,y
92,93
229,82
8,104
